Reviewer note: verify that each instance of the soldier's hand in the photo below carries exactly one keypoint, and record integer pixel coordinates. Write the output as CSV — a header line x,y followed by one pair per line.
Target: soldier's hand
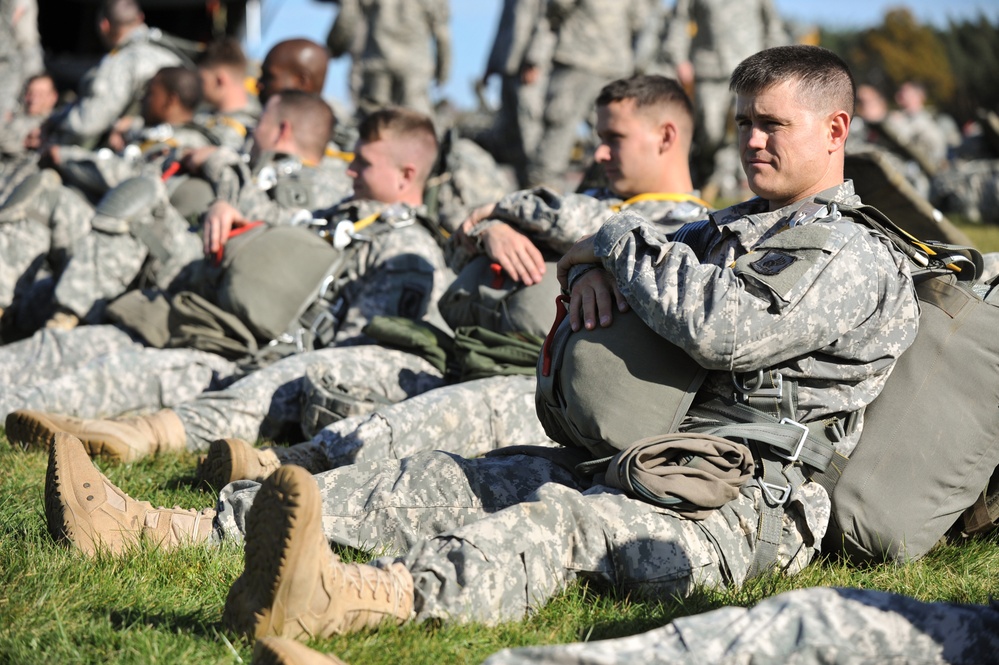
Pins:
x,y
219,221
594,298
479,214
515,253
581,252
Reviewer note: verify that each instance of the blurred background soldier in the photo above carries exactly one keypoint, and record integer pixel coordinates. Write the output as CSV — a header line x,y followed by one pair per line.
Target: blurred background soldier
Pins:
x,y
595,42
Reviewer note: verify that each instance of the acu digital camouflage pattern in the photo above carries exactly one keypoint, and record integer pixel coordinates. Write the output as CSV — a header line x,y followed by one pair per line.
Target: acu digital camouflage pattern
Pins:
x,y
594,45
408,43
100,372
803,627
277,188
267,401
970,188
523,528
556,222
41,221
113,86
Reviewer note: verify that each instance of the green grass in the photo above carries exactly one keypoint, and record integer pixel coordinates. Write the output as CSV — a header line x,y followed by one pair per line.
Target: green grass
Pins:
x,y
150,606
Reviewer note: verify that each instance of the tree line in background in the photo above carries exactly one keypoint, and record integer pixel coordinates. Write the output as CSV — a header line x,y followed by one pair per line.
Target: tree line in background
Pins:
x,y
959,65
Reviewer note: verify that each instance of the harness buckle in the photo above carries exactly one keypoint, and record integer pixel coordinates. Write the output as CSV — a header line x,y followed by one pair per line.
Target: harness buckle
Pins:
x,y
793,457
746,387
782,492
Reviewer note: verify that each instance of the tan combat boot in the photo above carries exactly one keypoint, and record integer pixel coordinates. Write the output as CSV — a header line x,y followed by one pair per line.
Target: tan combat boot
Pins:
x,y
293,585
121,440
229,460
282,651
85,509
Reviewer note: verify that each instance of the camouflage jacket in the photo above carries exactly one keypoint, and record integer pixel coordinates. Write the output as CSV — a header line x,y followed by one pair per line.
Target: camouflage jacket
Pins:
x,y
117,83
556,222
279,187
400,34
231,128
827,303
597,35
96,171
396,269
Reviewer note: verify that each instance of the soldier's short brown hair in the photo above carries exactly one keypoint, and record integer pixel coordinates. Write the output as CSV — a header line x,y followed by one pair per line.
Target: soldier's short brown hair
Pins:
x,y
310,117
184,83
648,90
821,76
406,124
225,52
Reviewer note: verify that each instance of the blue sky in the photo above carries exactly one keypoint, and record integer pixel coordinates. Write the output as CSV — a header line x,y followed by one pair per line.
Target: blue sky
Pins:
x,y
473,25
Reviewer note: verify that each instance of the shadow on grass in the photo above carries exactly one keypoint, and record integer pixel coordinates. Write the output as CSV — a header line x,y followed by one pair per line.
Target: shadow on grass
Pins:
x,y
173,622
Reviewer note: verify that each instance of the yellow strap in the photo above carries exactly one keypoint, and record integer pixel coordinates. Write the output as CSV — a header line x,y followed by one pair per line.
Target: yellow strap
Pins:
x,y
659,196
146,145
367,221
339,154
225,120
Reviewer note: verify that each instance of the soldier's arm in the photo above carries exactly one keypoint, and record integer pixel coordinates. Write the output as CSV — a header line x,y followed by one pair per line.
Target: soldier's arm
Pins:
x,y
110,92
439,17
550,219
799,292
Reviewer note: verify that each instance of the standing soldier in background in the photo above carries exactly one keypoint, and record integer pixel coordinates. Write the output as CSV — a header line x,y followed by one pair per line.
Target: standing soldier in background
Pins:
x,y
595,41
521,56
704,41
20,51
408,43
116,85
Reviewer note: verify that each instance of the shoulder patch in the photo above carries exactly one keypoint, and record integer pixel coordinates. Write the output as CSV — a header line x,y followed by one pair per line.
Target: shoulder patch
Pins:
x,y
772,263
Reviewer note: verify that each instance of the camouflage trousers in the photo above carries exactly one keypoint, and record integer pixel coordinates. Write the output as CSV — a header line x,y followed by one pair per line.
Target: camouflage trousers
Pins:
x,y
806,626
24,246
381,86
523,527
100,372
466,419
570,96
970,189
266,402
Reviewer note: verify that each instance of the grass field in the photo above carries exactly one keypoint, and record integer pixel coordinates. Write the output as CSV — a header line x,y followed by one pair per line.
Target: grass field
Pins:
x,y
150,606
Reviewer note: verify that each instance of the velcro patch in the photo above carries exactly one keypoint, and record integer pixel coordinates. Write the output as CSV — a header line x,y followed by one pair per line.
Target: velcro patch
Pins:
x,y
772,263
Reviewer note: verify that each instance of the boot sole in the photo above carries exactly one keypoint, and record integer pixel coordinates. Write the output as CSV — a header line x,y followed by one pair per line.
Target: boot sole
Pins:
x,y
219,467
61,505
31,430
280,533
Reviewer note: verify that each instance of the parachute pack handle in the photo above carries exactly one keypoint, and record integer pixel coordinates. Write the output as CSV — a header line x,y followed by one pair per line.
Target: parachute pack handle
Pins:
x,y
239,230
561,309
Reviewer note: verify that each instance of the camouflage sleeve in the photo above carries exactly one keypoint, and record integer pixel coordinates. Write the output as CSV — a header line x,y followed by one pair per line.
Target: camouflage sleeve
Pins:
x,y
341,35
798,292
676,43
111,91
550,219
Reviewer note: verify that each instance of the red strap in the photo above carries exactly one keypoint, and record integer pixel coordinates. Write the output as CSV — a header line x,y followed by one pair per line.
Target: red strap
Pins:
x,y
497,271
171,170
235,231
561,309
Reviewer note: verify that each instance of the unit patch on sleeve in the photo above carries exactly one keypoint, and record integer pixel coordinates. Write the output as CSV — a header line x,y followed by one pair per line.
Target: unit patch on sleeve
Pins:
x,y
772,263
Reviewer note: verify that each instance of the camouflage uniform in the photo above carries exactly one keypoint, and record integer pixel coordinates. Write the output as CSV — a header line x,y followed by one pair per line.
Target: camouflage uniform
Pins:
x,y
523,39
106,261
969,188
40,223
715,36
805,627
116,84
523,527
594,45
556,222
231,128
397,62
101,372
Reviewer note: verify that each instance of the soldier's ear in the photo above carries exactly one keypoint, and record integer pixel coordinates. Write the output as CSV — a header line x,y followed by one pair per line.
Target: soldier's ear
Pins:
x,y
668,135
408,174
838,128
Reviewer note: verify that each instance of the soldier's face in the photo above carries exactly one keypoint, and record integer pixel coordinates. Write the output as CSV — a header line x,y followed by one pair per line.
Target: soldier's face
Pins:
x,y
376,172
155,103
40,97
785,146
275,77
629,147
